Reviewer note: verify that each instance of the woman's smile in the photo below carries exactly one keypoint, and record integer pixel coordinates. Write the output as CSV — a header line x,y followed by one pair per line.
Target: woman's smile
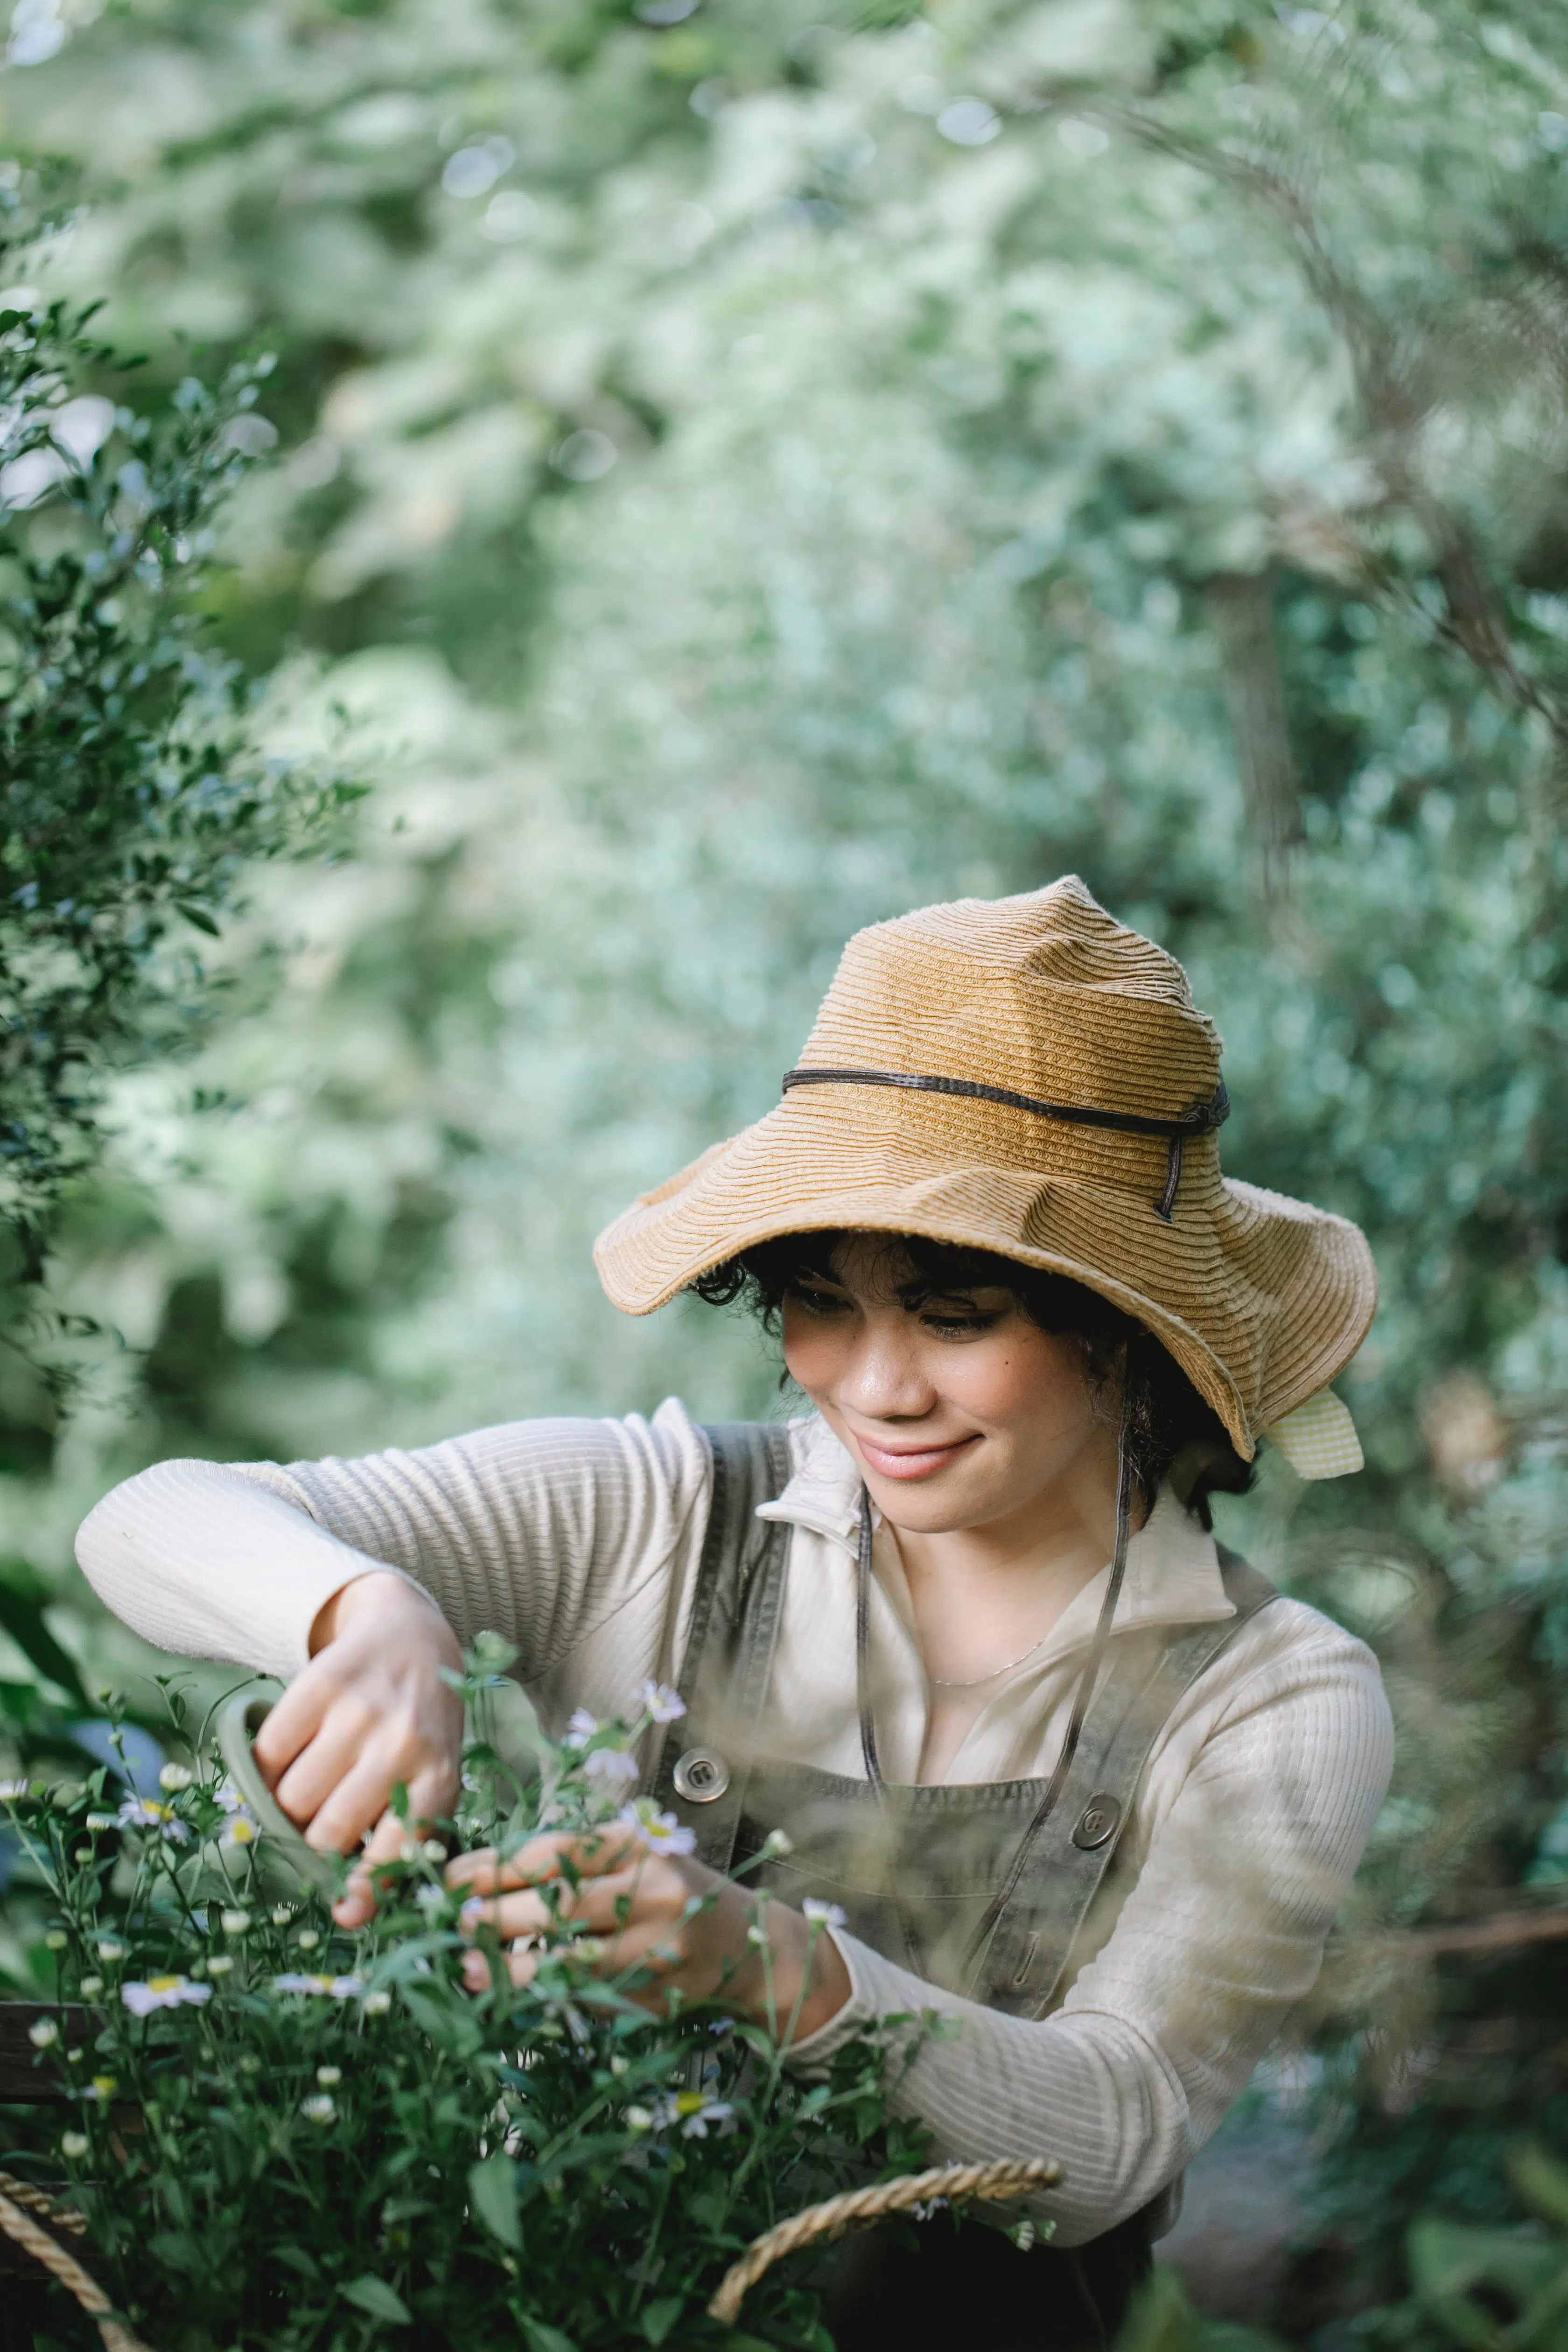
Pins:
x,y
910,1457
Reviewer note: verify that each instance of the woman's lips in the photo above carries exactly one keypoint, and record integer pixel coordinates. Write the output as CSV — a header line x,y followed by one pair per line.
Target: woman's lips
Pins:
x,y
910,1460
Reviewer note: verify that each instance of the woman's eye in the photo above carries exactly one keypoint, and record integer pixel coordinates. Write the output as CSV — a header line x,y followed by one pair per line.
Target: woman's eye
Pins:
x,y
817,1302
952,1325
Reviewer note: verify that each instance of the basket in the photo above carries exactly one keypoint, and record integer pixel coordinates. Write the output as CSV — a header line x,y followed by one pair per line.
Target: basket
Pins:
x,y
24,2210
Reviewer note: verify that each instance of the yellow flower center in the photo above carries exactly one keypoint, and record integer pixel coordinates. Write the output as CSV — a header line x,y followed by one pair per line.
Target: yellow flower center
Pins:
x,y
690,2102
163,1984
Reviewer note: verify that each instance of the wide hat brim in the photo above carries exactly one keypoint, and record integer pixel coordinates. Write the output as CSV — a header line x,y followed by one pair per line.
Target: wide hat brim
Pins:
x,y
1261,1299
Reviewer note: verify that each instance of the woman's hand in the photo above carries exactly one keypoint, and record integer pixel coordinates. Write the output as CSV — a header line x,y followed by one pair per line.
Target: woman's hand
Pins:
x,y
681,1923
369,1711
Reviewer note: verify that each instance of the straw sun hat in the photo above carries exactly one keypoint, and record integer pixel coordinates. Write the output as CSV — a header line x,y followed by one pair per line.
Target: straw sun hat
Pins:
x,y
1027,1075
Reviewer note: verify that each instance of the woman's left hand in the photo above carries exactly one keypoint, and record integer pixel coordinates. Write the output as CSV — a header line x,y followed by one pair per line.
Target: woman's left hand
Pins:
x,y
683,1925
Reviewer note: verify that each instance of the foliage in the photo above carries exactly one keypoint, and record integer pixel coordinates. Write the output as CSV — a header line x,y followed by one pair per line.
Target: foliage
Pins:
x,y
747,475
286,2137
134,795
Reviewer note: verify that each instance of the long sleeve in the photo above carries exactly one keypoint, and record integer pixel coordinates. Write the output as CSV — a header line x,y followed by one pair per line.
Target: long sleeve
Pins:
x,y
547,1531
1221,1935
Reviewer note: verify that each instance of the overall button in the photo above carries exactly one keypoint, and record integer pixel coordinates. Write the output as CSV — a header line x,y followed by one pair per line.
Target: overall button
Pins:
x,y
1101,1820
701,1776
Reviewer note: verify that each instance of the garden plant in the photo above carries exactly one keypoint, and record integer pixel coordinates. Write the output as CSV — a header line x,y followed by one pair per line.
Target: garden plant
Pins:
x,y
287,2138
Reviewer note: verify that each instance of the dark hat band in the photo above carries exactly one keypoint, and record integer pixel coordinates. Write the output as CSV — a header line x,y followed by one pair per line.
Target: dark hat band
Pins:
x,y
1201,1119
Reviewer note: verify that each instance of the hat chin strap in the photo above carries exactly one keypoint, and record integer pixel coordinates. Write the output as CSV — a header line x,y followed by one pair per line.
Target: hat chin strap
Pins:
x,y
1201,1118
1088,1678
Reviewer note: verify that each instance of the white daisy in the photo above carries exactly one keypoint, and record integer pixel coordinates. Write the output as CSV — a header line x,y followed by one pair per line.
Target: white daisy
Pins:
x,y
659,1832
664,1705
162,1992
147,1813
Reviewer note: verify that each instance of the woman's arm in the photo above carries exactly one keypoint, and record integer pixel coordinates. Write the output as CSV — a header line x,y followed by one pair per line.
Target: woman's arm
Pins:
x,y
354,1578
540,1530
1221,1935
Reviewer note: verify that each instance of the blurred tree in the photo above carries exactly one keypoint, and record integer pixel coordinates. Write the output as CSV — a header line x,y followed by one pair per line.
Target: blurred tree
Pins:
x,y
752,467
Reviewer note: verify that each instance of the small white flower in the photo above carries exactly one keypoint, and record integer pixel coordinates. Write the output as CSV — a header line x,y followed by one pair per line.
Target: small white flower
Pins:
x,y
376,2005
664,1705
430,1899
56,1940
44,2034
611,1764
334,1988
162,1992
329,2077
321,2109
109,1950
96,1822
282,1916
90,1986
777,1844
660,1832
307,1939
242,1828
927,2212
639,2119
74,2145
102,2089
235,1923
822,1915
579,1731
433,1850
11,1791
226,1795
693,2112
146,1814
619,2066
174,1777
219,1964
756,1937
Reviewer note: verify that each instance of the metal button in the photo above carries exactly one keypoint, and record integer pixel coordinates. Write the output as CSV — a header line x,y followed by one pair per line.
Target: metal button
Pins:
x,y
1100,1821
701,1776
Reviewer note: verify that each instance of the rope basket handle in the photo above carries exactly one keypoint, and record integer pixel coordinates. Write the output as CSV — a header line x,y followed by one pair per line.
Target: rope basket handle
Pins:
x,y
995,2180
19,2202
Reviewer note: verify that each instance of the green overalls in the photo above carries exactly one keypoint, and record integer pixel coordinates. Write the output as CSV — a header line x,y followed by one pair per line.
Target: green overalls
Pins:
x,y
981,1888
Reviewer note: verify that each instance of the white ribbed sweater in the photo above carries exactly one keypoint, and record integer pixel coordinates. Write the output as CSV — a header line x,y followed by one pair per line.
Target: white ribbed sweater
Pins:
x,y
579,1540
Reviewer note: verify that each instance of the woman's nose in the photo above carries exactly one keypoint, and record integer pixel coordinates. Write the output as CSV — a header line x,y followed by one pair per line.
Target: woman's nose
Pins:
x,y
884,1379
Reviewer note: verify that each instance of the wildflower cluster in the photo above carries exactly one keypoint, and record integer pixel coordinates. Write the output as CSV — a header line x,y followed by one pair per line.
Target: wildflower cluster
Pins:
x,y
286,2137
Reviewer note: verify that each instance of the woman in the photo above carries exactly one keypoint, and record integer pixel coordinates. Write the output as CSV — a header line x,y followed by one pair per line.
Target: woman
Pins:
x,y
1076,1779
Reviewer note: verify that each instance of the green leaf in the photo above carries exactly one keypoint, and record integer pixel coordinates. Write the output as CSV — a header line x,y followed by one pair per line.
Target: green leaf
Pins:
x,y
374,2295
200,917
23,1619
492,2195
1543,2180
544,2339
660,2317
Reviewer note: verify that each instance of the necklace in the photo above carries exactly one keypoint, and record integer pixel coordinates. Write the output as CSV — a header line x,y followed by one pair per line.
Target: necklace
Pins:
x,y
940,1682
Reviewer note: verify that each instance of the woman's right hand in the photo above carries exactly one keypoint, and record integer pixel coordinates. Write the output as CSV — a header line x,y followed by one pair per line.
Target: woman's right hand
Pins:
x,y
369,1711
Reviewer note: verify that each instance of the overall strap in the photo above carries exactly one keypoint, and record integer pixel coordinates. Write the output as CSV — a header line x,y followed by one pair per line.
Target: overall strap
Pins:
x,y
1026,1943
701,1776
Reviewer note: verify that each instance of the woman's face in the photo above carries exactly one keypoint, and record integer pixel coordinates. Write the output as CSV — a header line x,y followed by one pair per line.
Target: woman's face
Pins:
x,y
960,1411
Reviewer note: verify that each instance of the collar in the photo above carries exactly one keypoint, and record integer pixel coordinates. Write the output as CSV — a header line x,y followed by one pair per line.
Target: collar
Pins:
x,y
1172,1566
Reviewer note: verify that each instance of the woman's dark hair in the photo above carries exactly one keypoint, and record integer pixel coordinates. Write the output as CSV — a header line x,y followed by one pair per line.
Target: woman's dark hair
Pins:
x,y
1168,1423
